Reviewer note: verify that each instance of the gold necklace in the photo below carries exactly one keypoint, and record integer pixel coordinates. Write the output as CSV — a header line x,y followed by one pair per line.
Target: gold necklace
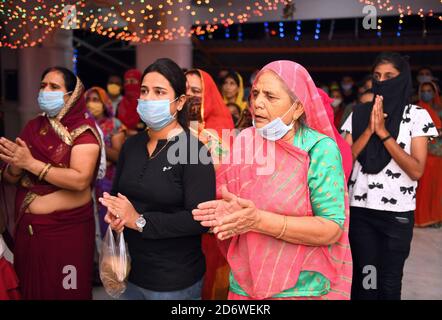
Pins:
x,y
165,145
155,155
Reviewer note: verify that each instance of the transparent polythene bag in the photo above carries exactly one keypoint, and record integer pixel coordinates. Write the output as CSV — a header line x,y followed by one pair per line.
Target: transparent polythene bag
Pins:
x,y
114,263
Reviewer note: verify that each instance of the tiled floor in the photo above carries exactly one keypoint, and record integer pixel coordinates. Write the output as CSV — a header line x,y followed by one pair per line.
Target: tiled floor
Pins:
x,y
423,269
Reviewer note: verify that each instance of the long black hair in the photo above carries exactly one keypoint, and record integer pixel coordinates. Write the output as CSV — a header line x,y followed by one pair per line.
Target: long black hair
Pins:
x,y
70,80
232,75
173,73
400,63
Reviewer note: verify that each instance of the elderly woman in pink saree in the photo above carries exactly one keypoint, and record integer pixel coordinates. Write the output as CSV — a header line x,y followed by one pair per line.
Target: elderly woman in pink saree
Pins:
x,y
281,217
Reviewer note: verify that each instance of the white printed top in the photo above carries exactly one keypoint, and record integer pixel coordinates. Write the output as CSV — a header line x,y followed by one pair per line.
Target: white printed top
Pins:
x,y
391,189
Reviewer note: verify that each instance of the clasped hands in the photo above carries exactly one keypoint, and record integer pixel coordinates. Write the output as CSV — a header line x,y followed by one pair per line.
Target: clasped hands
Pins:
x,y
228,216
120,212
377,119
16,154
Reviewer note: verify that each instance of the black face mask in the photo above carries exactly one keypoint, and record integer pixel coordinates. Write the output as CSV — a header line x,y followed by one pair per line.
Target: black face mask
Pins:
x,y
194,107
396,95
392,90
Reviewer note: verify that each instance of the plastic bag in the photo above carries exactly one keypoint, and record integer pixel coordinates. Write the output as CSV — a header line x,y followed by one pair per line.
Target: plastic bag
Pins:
x,y
114,263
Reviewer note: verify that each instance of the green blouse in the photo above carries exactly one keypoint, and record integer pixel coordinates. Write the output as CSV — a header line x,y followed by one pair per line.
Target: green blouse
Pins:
x,y
326,183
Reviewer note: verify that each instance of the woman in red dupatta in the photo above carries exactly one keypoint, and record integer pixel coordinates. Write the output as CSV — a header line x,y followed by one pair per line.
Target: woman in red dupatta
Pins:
x,y
208,108
279,240
209,115
54,164
127,109
429,192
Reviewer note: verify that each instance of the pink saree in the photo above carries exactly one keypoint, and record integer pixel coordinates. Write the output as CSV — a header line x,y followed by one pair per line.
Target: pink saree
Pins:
x,y
344,147
274,176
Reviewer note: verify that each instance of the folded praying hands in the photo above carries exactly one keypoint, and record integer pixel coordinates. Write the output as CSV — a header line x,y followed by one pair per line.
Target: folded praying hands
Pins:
x,y
228,216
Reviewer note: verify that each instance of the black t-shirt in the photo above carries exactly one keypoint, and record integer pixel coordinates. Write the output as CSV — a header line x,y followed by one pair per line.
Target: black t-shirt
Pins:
x,y
167,255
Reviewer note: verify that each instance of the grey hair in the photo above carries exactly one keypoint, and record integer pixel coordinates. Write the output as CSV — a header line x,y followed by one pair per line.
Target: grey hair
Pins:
x,y
302,119
284,85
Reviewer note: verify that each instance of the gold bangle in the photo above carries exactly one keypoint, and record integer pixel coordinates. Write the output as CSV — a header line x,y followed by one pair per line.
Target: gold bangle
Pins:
x,y
283,228
44,172
47,171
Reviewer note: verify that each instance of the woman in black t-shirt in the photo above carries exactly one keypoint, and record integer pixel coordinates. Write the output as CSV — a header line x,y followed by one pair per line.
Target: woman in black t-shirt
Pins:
x,y
162,174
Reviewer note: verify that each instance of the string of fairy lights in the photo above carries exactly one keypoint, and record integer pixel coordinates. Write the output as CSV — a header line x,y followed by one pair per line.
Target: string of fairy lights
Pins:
x,y
26,23
28,26
386,5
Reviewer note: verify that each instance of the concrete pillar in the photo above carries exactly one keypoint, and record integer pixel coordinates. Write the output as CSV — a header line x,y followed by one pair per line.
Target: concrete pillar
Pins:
x,y
56,50
179,50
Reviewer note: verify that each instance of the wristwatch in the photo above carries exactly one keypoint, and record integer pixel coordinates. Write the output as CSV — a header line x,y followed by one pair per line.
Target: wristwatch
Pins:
x,y
140,223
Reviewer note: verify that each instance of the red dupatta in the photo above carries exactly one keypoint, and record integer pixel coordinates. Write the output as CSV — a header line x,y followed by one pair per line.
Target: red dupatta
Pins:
x,y
127,109
215,117
214,111
50,140
274,176
436,101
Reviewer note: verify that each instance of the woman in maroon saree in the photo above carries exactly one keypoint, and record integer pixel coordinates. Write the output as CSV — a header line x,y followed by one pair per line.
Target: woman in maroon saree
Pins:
x,y
54,164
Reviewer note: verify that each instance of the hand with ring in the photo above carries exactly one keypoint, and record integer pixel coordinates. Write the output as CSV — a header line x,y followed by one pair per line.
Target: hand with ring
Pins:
x,y
120,212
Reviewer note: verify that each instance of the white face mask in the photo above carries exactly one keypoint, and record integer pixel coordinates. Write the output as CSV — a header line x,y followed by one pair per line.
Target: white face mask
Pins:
x,y
346,86
336,102
276,129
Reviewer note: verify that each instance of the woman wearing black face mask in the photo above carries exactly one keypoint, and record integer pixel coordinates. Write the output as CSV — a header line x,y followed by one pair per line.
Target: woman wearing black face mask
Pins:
x,y
389,139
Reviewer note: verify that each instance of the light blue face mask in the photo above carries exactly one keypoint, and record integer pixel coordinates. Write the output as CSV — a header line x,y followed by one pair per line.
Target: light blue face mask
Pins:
x,y
427,96
51,102
276,129
155,113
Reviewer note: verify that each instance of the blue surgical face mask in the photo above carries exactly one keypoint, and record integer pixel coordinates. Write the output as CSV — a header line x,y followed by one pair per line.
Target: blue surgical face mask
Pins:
x,y
155,113
51,102
427,96
275,129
